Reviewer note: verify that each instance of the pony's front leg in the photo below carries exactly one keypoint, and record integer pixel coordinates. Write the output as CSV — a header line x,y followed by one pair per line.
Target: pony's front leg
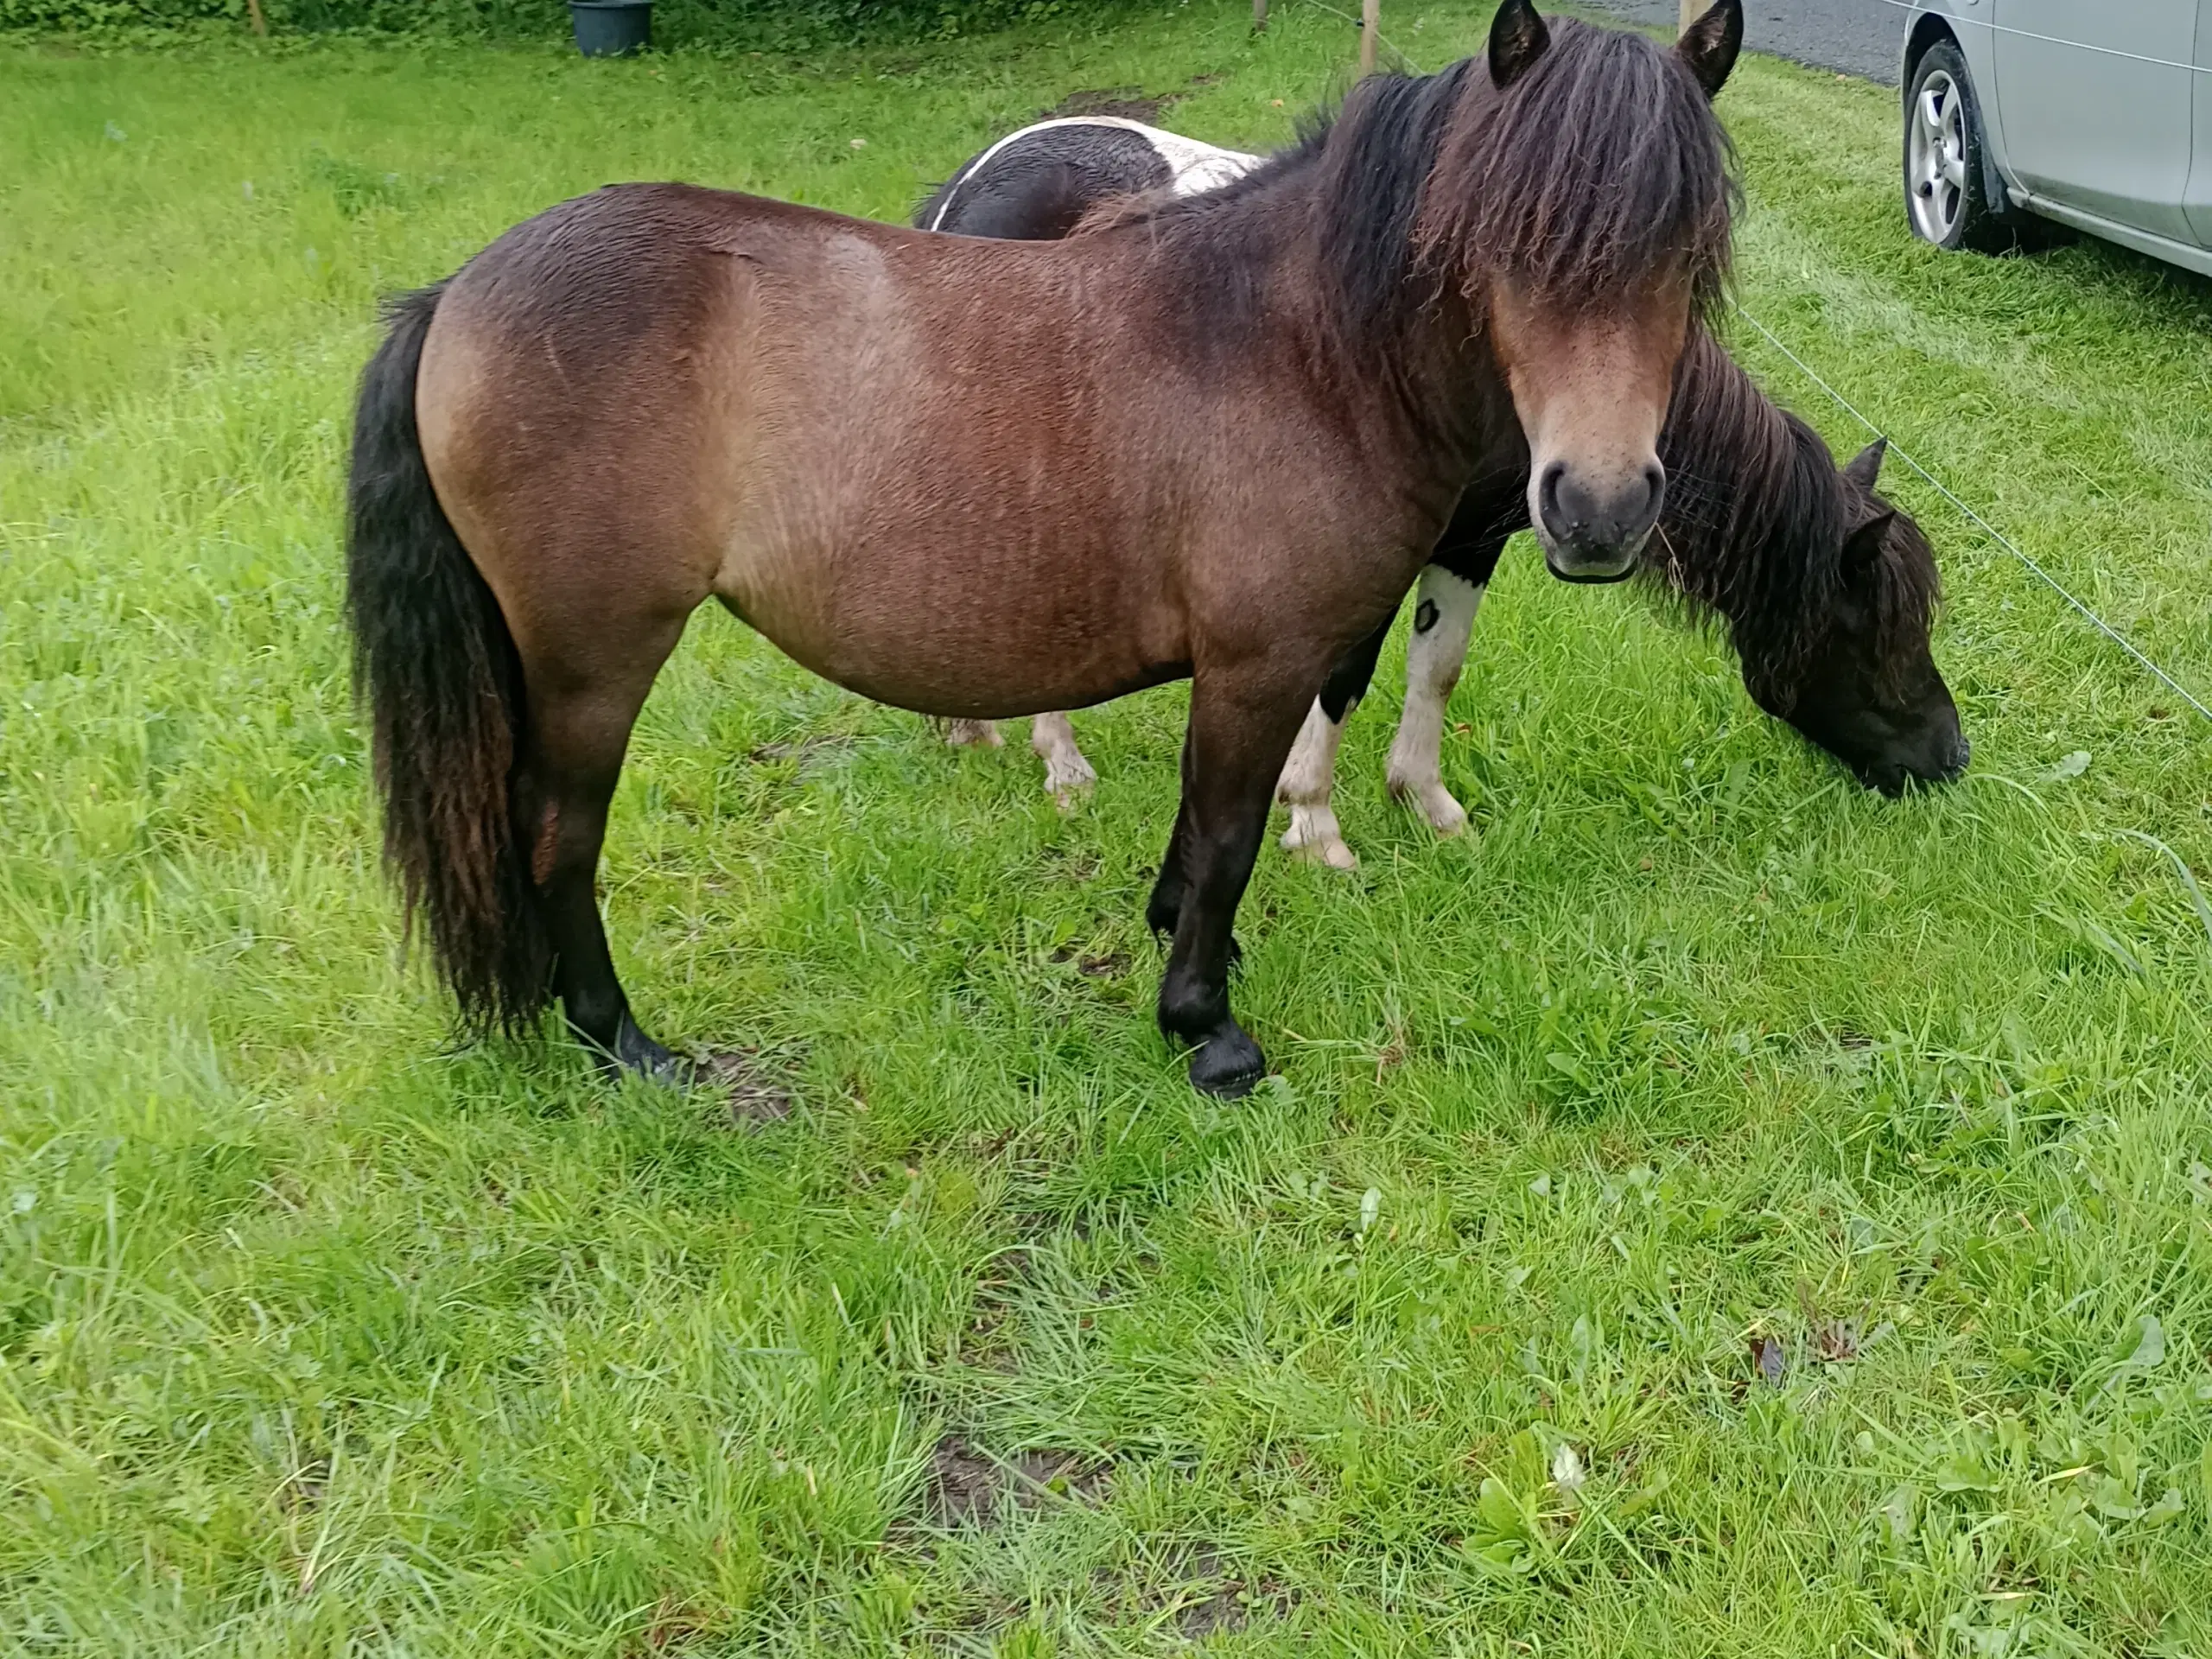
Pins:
x,y
1240,731
1309,777
1068,776
1444,618
1163,912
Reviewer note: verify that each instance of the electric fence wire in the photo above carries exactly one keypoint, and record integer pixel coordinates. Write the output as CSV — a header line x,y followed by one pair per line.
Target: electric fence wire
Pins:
x,y
1987,528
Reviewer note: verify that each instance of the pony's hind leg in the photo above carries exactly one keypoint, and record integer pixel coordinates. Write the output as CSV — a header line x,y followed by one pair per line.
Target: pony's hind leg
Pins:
x,y
1444,620
1239,734
580,719
1309,777
1068,776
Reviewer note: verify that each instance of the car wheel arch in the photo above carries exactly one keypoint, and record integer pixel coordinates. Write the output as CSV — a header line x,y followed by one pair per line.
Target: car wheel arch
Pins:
x,y
1930,29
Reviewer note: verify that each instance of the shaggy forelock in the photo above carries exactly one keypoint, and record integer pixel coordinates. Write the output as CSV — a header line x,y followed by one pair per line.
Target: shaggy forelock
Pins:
x,y
1601,166
1598,175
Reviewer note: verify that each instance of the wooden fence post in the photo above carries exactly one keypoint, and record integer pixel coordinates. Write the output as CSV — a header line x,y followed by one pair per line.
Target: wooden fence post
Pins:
x,y
253,15
1692,10
1371,26
1259,16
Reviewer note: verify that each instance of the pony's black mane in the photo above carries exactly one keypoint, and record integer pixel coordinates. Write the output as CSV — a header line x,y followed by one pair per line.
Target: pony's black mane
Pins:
x,y
1601,165
1389,137
1756,523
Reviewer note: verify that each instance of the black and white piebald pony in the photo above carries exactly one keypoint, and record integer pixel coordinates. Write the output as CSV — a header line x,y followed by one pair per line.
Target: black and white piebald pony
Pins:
x,y
1034,185
1828,590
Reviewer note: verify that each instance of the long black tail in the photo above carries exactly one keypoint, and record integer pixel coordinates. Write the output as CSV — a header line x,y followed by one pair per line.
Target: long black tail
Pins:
x,y
433,658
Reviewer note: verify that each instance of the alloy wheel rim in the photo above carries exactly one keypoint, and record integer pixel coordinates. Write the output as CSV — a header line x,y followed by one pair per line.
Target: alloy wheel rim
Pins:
x,y
1936,178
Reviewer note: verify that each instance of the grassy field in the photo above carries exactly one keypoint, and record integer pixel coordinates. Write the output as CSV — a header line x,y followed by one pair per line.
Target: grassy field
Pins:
x,y
1707,1210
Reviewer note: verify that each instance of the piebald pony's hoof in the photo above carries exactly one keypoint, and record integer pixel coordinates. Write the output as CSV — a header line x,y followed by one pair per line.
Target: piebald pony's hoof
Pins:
x,y
974,734
1229,1065
1435,804
1313,836
1070,786
1068,775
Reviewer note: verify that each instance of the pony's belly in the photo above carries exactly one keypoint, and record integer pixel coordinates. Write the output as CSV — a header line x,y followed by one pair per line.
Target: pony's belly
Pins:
x,y
970,698
983,675
979,665
959,626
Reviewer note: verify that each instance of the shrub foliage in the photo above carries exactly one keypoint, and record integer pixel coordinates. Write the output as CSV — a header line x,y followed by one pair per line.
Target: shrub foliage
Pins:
x,y
751,23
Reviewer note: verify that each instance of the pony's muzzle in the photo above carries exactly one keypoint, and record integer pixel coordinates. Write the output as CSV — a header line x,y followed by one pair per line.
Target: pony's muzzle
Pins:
x,y
1946,765
1942,760
1593,531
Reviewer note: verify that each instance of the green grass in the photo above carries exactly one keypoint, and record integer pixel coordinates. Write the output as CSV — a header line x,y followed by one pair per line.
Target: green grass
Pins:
x,y
317,1335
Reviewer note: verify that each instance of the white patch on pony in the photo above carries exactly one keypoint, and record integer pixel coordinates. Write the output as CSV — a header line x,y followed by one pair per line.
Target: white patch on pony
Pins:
x,y
1435,657
1068,776
1194,167
1198,168
1308,777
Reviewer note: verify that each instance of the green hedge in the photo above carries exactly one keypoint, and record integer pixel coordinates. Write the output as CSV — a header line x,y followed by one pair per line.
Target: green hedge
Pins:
x,y
751,23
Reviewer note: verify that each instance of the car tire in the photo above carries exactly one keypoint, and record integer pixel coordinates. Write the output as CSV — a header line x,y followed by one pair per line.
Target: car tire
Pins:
x,y
1946,200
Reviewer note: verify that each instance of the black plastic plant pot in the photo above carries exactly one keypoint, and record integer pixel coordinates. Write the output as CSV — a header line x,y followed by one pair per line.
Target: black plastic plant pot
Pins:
x,y
611,29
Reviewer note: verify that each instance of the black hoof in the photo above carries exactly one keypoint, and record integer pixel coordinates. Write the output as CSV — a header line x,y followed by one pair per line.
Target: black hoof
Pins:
x,y
1229,1065
636,1055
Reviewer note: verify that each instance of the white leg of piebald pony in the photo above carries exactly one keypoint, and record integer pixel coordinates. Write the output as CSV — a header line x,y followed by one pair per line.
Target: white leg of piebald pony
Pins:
x,y
1443,617
973,734
1307,778
1068,776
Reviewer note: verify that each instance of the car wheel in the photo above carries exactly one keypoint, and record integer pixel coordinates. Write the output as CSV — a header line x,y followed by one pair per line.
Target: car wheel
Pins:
x,y
1944,197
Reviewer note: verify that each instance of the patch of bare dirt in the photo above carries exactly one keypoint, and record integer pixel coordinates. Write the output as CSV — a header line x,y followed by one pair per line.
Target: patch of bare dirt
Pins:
x,y
1126,103
1100,964
808,756
1068,863
675,1626
1214,1599
754,1091
969,1487
1836,1341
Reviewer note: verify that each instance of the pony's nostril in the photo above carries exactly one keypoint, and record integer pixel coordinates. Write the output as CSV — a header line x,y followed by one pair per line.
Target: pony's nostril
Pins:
x,y
1548,506
1654,482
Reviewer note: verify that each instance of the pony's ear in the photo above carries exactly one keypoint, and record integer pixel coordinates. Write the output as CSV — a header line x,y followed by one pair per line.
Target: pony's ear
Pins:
x,y
1517,39
1862,549
1709,46
1865,468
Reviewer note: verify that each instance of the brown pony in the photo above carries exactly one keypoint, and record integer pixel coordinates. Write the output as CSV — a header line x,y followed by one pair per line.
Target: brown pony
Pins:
x,y
1827,588
984,479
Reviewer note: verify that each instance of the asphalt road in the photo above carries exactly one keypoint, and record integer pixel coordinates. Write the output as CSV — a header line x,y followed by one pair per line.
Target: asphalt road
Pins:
x,y
1858,37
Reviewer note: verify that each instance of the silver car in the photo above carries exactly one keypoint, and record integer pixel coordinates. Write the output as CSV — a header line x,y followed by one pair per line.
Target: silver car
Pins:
x,y
2094,113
